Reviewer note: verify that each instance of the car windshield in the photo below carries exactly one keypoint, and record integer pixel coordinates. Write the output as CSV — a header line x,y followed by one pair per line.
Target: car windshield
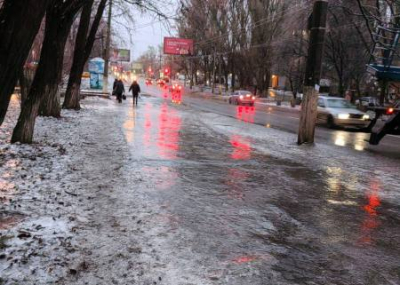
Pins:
x,y
244,92
339,103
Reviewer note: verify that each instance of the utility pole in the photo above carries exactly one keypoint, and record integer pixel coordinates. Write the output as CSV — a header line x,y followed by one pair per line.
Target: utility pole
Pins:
x,y
191,73
160,64
220,75
107,49
213,73
308,118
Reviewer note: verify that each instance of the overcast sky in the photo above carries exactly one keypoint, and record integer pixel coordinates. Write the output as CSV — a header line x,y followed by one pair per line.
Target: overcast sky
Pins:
x,y
147,31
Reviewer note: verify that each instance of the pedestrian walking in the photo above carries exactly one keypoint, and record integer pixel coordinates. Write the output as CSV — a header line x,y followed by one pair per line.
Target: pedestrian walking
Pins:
x,y
119,90
135,88
114,85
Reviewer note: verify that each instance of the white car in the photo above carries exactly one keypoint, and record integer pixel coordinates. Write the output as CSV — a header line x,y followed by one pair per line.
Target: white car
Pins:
x,y
339,112
242,97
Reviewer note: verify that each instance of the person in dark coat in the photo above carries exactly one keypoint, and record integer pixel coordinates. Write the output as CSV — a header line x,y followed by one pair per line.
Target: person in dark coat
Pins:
x,y
119,90
115,84
135,88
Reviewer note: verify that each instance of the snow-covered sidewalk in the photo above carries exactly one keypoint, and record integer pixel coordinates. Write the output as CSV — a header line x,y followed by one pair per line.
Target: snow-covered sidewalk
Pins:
x,y
47,190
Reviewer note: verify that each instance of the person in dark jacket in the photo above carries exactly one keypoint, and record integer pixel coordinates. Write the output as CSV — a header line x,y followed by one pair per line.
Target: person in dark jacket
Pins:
x,y
135,88
119,90
115,84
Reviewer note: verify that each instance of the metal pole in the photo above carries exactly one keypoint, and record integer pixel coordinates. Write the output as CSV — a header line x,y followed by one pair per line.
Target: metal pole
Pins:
x,y
220,75
191,73
213,73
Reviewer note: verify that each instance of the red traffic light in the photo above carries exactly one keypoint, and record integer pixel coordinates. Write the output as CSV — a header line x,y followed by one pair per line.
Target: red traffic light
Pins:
x,y
166,71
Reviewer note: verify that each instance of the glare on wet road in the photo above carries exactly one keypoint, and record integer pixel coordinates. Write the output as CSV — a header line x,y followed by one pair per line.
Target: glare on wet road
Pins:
x,y
246,213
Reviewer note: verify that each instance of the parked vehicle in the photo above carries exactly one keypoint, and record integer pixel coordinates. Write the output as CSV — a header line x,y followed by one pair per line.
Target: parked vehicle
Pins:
x,y
339,112
387,113
242,97
368,102
387,121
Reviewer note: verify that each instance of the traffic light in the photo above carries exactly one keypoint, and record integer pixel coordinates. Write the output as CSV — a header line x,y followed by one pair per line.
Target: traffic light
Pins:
x,y
166,71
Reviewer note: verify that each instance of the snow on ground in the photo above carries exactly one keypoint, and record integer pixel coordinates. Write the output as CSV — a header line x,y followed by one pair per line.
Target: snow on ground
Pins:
x,y
46,190
76,209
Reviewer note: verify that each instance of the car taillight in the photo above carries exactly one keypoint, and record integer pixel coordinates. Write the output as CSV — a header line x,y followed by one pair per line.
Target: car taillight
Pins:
x,y
390,111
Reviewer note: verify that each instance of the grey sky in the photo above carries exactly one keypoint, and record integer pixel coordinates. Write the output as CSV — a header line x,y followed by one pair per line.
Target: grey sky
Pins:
x,y
148,30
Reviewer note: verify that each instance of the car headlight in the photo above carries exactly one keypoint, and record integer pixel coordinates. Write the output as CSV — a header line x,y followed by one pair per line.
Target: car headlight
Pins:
x,y
344,116
366,117
241,97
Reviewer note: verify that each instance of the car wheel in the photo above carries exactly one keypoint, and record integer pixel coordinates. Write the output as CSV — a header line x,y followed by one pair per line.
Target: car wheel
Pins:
x,y
330,122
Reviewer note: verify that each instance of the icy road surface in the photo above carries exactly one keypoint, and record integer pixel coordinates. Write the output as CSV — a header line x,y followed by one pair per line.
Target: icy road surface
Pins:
x,y
166,194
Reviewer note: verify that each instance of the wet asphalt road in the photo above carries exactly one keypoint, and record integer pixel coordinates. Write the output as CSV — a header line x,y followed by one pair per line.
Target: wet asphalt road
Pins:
x,y
240,215
271,117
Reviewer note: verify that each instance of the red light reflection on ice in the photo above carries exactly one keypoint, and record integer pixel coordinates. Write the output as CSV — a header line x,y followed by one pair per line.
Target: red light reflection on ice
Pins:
x,y
242,149
234,179
245,113
245,259
176,97
147,127
168,132
371,222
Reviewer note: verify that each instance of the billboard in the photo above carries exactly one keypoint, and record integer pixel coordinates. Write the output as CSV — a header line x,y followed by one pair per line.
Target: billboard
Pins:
x,y
176,46
137,66
120,55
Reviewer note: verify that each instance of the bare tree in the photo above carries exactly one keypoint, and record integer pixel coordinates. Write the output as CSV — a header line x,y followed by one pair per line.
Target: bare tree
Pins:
x,y
83,46
44,90
19,23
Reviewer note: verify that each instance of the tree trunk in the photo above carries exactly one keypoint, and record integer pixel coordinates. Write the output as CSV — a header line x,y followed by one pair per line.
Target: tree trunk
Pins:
x,y
48,75
72,94
19,23
84,43
308,115
25,82
233,82
56,35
